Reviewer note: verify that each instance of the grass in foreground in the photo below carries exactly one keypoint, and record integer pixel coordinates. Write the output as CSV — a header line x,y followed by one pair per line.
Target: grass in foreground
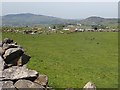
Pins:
x,y
71,60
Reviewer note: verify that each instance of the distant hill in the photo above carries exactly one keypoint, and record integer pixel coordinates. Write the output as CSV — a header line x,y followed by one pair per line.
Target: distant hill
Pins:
x,y
99,20
93,20
29,19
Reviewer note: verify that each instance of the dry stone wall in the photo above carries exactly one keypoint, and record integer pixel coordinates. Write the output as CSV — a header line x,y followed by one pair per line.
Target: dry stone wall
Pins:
x,y
13,71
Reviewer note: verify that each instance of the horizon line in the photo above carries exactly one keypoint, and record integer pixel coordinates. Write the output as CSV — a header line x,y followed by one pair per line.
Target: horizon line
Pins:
x,y
58,17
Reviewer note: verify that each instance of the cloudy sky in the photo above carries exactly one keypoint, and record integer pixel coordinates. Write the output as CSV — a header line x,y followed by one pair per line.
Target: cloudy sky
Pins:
x,y
71,10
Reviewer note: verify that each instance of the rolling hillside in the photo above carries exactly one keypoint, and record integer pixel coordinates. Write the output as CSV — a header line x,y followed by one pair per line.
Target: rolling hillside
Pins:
x,y
111,22
33,19
30,19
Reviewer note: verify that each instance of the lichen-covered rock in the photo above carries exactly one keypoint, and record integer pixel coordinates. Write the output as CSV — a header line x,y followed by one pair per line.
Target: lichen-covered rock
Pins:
x,y
42,80
28,85
8,85
90,86
15,73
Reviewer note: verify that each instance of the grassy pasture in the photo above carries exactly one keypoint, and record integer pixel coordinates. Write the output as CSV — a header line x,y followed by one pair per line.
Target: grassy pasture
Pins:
x,y
71,60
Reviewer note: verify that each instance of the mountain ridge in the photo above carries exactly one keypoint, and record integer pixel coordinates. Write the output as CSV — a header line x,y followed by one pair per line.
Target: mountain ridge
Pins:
x,y
29,19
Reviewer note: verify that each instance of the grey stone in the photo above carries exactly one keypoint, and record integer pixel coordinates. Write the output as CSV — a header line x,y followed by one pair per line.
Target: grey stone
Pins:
x,y
42,80
1,71
27,84
90,86
12,55
23,59
2,64
8,84
15,73
1,51
7,46
1,84
7,41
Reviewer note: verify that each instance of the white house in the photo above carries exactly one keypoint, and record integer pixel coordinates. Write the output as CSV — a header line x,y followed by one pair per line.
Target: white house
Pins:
x,y
66,29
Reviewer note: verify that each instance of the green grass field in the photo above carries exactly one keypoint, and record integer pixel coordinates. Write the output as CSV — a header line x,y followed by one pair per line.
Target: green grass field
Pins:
x,y
71,60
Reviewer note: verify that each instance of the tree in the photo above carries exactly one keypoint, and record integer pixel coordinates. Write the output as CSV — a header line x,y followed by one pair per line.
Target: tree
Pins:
x,y
54,27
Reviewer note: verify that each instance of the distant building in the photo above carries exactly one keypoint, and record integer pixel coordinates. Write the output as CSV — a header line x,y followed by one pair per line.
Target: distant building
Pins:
x,y
66,29
78,24
70,26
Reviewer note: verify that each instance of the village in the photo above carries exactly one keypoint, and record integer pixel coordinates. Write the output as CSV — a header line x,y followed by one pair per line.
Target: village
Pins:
x,y
60,29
